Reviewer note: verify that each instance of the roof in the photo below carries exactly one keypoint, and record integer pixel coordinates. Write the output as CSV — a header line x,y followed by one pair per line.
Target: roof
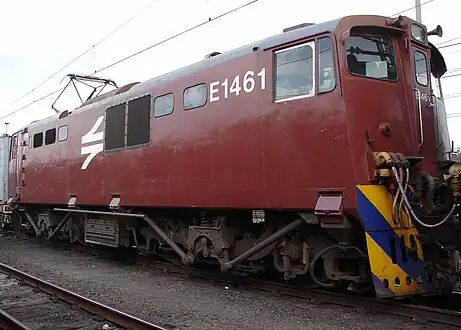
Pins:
x,y
147,85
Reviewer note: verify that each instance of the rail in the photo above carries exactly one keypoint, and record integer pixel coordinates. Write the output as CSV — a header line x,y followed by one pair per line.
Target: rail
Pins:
x,y
110,314
363,304
9,322
420,313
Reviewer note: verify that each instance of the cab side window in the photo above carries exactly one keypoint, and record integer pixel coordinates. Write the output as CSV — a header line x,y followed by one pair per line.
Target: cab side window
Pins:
x,y
421,68
326,67
294,72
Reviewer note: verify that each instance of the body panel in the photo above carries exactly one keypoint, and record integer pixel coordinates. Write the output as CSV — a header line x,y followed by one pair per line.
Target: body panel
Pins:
x,y
243,151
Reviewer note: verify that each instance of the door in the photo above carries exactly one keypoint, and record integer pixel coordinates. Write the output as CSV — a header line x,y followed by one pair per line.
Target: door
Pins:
x,y
424,104
22,140
17,163
13,167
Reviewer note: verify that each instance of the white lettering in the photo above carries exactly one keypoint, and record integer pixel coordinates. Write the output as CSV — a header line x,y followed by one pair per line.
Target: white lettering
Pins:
x,y
248,83
248,78
89,137
262,75
224,84
235,87
213,91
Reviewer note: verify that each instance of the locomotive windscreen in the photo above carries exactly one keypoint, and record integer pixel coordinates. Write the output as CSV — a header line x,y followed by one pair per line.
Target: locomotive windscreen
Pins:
x,y
443,135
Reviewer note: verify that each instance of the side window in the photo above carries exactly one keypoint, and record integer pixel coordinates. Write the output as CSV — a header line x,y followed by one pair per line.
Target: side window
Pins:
x,y
50,136
114,136
371,57
138,124
62,133
294,72
421,68
163,105
326,67
195,96
38,140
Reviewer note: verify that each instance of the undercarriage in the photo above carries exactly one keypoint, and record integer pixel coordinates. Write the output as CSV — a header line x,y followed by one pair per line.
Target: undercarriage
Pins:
x,y
293,246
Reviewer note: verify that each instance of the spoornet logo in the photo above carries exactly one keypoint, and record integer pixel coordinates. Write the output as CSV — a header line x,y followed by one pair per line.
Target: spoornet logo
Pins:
x,y
90,137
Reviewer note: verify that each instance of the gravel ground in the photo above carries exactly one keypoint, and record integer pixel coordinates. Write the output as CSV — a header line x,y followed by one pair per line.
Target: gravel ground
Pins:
x,y
177,303
38,311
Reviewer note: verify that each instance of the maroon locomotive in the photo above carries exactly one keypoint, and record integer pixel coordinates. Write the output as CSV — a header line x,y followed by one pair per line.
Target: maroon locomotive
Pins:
x,y
321,153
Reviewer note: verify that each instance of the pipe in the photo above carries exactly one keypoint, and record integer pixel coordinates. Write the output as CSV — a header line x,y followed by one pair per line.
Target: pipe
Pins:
x,y
168,240
63,221
261,245
31,221
312,265
410,209
100,212
149,221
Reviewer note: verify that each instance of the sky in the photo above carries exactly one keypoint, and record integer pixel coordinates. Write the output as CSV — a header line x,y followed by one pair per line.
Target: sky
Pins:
x,y
40,37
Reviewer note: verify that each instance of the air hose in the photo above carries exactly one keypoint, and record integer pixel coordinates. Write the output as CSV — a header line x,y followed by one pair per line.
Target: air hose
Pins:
x,y
429,199
410,209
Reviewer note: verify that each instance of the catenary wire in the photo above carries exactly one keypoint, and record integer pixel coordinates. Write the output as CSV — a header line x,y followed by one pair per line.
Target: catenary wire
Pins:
x,y
159,43
86,51
33,102
450,45
447,41
137,53
403,11
175,36
145,49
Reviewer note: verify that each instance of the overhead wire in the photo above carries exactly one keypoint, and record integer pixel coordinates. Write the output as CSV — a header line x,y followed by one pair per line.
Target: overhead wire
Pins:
x,y
33,102
420,5
447,41
139,52
206,22
154,45
450,45
452,75
175,36
86,51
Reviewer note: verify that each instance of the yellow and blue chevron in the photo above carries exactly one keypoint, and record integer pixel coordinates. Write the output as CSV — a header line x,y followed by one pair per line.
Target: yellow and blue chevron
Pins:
x,y
396,271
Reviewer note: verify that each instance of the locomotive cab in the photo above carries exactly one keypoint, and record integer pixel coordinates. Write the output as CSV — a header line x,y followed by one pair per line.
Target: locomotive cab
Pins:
x,y
410,212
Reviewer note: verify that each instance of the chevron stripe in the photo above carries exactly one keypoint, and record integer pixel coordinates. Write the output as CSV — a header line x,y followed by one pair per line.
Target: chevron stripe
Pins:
x,y
395,269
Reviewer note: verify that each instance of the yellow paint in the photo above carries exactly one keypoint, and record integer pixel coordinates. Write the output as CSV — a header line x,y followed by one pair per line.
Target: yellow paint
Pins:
x,y
380,197
383,268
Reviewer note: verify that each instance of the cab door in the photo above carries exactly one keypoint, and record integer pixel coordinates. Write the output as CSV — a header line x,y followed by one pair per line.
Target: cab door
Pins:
x,y
17,173
424,104
13,167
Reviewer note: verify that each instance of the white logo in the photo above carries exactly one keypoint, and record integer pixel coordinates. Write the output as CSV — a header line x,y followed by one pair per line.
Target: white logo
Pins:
x,y
93,149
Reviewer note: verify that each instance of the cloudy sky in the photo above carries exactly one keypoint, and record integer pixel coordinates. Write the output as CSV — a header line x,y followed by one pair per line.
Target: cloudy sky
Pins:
x,y
40,37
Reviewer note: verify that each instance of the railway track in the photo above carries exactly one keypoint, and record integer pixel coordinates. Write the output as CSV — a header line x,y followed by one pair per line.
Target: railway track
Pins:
x,y
420,313
27,302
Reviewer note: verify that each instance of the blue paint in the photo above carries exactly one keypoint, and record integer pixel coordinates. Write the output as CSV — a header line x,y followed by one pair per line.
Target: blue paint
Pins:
x,y
381,232
380,289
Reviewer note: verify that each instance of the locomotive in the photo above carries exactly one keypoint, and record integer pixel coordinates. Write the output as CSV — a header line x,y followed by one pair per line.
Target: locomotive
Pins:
x,y
321,154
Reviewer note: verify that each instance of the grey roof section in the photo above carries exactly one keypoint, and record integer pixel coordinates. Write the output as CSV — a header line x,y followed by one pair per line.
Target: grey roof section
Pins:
x,y
272,41
238,52
144,87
